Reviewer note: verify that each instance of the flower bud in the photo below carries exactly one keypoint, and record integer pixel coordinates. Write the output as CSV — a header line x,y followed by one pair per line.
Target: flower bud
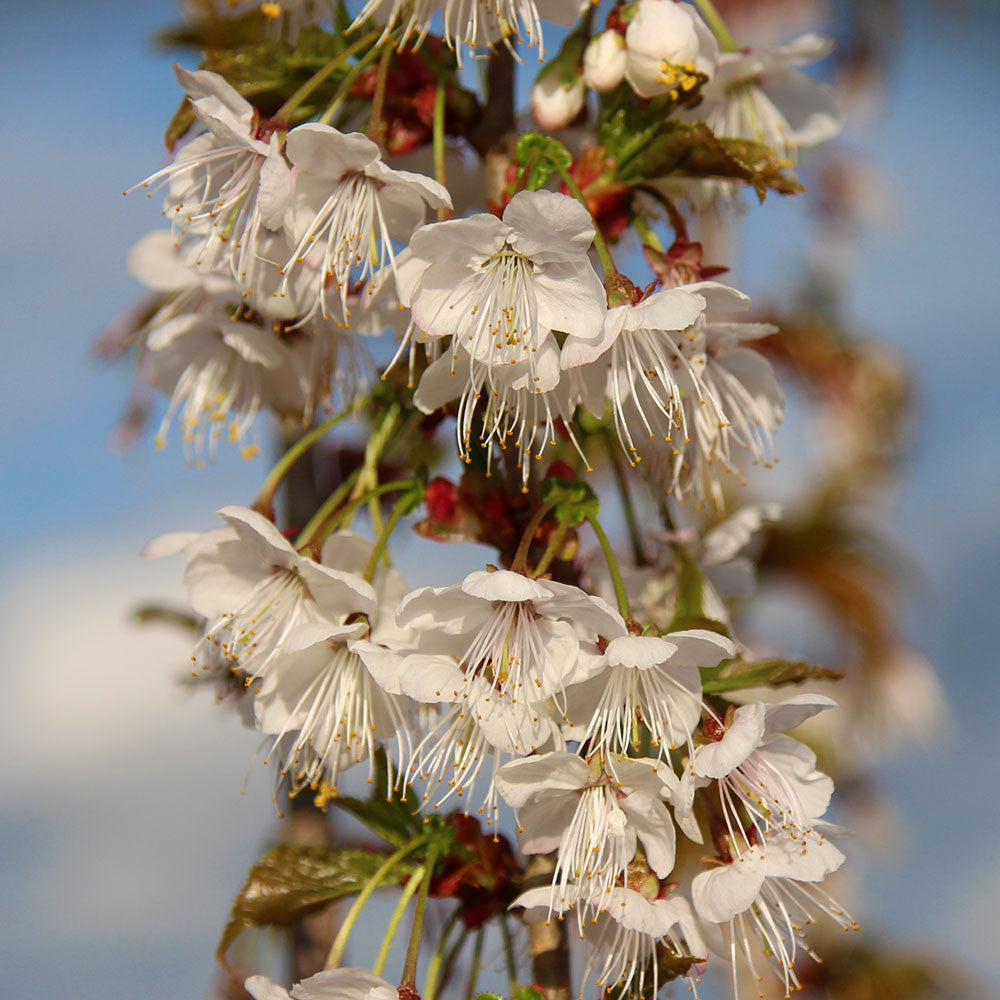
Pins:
x,y
604,61
555,104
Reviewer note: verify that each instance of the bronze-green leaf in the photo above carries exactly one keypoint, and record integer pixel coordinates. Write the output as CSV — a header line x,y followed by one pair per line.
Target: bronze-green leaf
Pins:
x,y
292,881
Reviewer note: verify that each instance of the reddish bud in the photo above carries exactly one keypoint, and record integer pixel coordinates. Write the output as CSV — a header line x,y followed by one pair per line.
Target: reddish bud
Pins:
x,y
442,497
560,470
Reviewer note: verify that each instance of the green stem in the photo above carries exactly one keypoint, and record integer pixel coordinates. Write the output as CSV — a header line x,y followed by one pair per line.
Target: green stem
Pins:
x,y
718,26
646,233
434,967
265,499
520,562
400,509
477,957
600,246
349,80
376,127
409,978
439,167
555,543
321,75
508,950
328,508
397,915
347,511
612,561
340,941
631,521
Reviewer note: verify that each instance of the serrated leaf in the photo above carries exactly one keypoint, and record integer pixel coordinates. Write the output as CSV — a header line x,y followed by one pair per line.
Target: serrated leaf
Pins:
x,y
292,881
528,993
538,157
738,674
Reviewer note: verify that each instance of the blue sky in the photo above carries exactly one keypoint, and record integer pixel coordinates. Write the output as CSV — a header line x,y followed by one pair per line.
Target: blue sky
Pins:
x,y
123,830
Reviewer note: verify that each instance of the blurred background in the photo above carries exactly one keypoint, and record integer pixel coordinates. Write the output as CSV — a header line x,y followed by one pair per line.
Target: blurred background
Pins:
x,y
123,830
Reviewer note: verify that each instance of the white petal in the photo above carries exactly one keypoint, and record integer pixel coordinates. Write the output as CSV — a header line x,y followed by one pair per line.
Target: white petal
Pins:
x,y
323,151
503,585
722,893
547,773
344,984
261,988
716,760
652,824
794,711
550,226
699,648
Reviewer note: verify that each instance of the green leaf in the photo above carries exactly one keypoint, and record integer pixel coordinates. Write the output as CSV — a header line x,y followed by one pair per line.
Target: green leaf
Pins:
x,y
737,674
292,881
395,822
538,157
528,993
690,149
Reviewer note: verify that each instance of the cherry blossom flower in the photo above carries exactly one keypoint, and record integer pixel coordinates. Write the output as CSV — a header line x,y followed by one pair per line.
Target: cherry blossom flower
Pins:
x,y
625,930
230,184
764,776
254,589
473,23
555,103
649,681
635,362
762,96
330,695
666,43
765,896
593,817
346,208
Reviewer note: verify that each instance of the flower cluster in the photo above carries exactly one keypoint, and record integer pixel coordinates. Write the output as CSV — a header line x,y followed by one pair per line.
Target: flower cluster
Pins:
x,y
588,704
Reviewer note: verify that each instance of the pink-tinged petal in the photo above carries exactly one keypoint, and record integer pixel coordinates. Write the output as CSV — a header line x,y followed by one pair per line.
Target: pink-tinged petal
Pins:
x,y
794,711
503,585
722,893
431,680
324,152
344,984
550,227
716,760
699,648
654,828
577,351
541,774
275,187
668,309
261,988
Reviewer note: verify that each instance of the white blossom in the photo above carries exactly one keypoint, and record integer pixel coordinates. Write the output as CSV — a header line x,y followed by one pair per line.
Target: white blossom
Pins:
x,y
666,43
231,183
333,984
765,897
555,103
604,61
593,816
346,208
